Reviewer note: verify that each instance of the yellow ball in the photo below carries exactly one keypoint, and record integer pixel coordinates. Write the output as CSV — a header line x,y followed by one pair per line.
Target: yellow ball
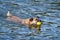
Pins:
x,y
38,23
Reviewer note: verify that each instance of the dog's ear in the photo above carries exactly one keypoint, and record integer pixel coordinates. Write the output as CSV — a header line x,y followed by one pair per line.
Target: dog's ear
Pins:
x,y
31,19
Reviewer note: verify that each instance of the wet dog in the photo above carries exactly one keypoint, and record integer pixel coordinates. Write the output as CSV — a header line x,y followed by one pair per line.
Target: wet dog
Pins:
x,y
28,22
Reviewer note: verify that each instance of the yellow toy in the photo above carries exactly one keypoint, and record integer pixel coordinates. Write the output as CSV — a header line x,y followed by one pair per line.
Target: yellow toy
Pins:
x,y
38,24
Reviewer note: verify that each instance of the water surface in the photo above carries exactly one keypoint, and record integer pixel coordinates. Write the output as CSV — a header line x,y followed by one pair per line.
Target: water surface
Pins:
x,y
47,10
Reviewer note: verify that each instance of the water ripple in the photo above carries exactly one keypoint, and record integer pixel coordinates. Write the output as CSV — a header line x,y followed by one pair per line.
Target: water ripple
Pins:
x,y
47,10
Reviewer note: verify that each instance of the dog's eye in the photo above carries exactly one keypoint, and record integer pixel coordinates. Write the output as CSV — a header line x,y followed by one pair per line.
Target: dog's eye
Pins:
x,y
31,19
36,19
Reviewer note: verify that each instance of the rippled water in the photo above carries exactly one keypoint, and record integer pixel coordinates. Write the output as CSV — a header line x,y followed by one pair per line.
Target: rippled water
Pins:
x,y
47,10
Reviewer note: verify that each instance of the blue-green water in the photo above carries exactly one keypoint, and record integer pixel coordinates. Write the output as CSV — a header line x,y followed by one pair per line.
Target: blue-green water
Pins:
x,y
47,10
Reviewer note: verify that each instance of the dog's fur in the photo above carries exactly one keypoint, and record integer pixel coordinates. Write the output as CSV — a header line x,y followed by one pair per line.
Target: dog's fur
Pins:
x,y
28,21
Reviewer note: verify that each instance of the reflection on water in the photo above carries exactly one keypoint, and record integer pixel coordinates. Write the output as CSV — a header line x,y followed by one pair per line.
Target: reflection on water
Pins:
x,y
47,10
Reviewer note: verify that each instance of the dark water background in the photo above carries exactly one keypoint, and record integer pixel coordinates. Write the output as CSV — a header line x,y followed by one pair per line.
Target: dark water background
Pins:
x,y
47,10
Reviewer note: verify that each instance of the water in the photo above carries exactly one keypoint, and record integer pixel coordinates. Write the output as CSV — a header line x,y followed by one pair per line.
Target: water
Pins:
x,y
47,10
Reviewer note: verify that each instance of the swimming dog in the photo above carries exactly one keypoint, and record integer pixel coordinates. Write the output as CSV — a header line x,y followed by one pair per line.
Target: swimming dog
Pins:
x,y
28,22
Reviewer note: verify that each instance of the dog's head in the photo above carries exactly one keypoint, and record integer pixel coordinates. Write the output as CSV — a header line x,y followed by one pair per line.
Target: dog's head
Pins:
x,y
35,23
33,20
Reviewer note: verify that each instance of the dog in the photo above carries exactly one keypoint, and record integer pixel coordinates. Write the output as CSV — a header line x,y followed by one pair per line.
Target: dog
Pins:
x,y
28,22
